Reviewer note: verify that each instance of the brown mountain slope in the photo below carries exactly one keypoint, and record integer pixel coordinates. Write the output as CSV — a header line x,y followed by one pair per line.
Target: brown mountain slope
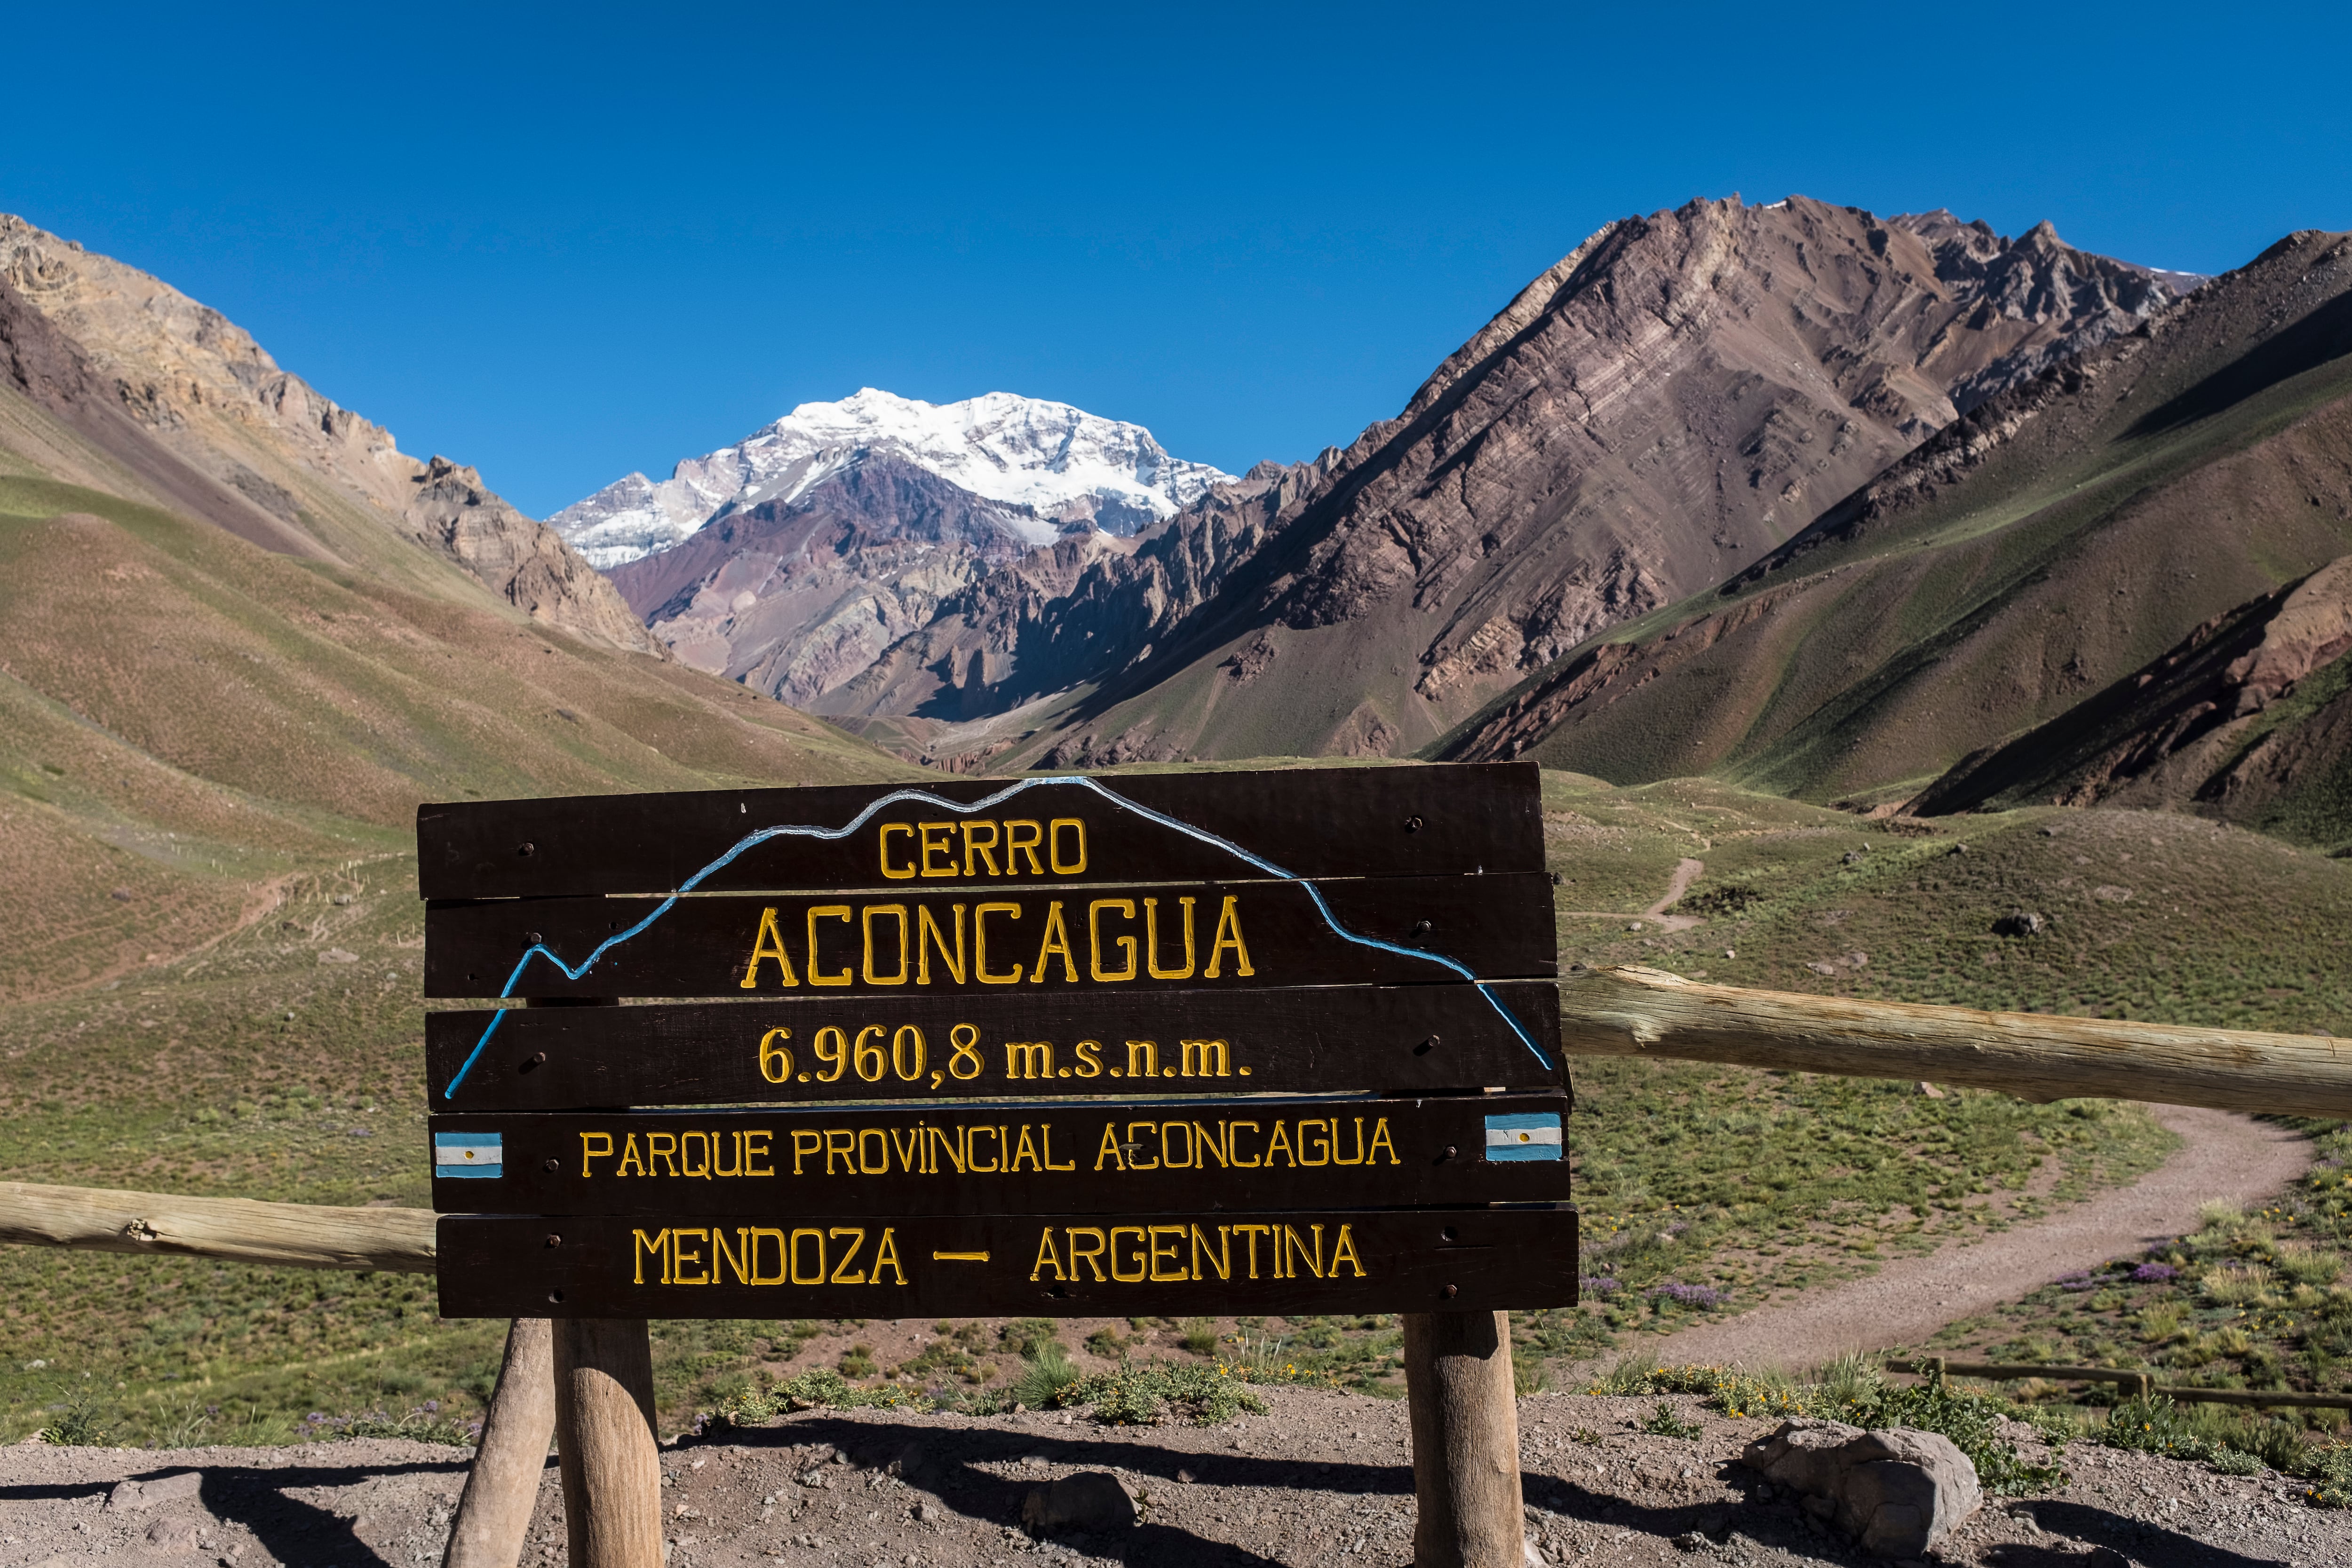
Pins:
x,y
2058,536
793,597
301,475
2250,718
184,716
1674,398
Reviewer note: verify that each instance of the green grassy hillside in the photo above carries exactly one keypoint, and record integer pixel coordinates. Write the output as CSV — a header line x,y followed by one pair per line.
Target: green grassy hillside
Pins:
x,y
2062,535
210,759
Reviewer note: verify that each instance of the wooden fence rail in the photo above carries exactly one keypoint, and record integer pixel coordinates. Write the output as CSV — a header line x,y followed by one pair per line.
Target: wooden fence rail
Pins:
x,y
2142,1383
1633,1011
295,1235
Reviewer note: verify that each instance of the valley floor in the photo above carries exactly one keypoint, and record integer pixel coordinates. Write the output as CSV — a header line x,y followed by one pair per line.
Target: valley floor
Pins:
x,y
1324,1477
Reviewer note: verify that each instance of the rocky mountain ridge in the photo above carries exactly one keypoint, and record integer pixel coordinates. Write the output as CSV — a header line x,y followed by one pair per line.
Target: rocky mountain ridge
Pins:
x,y
1049,466
2249,717
1675,398
272,458
2056,538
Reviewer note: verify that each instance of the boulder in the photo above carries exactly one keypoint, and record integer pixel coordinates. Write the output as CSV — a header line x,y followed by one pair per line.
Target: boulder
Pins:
x,y
128,1496
1089,1500
1896,1491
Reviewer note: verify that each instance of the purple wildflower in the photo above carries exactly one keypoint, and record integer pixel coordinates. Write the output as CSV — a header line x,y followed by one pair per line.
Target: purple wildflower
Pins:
x,y
2078,1282
1601,1285
2155,1274
1701,1296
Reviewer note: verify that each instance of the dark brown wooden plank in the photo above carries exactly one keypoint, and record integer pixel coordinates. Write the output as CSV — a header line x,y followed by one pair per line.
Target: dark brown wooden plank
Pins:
x,y
1306,1039
501,1266
1439,820
1070,1157
1404,931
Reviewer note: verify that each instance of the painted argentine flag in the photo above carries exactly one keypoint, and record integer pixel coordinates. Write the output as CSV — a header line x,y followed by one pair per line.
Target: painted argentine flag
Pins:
x,y
477,1154
1533,1136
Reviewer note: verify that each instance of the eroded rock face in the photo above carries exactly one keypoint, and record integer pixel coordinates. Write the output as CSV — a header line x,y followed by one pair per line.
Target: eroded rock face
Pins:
x,y
1678,396
1895,1492
300,472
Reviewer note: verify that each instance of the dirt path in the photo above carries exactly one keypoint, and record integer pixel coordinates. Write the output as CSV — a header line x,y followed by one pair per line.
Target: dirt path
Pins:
x,y
2225,1155
1687,871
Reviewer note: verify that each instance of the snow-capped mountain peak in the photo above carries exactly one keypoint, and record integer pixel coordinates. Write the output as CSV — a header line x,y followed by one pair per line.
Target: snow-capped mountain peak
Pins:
x,y
1060,463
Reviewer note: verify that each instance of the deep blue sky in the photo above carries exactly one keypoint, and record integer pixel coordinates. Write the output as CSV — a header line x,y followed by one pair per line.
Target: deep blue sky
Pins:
x,y
568,243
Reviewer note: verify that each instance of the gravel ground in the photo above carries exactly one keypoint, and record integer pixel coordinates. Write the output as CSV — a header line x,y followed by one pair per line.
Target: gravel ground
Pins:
x,y
1322,1480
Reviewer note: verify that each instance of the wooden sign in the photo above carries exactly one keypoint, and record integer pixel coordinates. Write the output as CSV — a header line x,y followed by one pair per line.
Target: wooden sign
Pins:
x,y
954,833
1133,1041
1075,1156
1016,941
1037,1265
975,1014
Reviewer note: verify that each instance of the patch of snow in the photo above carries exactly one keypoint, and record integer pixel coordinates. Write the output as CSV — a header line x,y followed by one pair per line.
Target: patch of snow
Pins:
x,y
1062,464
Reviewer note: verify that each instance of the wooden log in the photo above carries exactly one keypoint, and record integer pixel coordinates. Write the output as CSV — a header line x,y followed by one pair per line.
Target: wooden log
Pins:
x,y
502,1486
1634,1012
293,1235
605,1441
1465,1441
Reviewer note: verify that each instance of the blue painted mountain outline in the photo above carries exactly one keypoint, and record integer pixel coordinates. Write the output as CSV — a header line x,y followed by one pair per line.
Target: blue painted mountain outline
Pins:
x,y
753,839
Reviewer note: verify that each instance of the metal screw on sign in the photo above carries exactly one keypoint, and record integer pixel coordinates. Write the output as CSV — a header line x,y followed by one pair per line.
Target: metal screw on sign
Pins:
x,y
527,851
1413,824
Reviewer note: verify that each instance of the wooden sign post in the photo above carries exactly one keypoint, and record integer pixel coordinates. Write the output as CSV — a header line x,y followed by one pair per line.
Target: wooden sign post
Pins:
x,y
1267,1042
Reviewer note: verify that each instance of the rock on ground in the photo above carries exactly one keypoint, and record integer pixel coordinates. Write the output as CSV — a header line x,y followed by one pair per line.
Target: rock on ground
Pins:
x,y
1895,1494
1323,1479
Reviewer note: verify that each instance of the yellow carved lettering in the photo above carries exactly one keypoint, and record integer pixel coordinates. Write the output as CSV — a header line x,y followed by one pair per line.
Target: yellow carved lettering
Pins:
x,y
587,1154
1222,1259
841,1275
1023,839
1211,1057
657,1245
1142,1059
1047,1258
755,1147
768,944
939,839
1280,1142
1077,862
927,935
1110,1149
1056,942
895,873
980,944
1381,1141
738,1257
844,913
793,1258
1024,1150
1175,1233
1151,941
1234,1141
1344,1251
1090,1058
1229,936
629,1157
1090,1255
806,1142
1126,908
886,1255
897,912
679,1258
1141,1248
980,850
760,1234
661,1146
